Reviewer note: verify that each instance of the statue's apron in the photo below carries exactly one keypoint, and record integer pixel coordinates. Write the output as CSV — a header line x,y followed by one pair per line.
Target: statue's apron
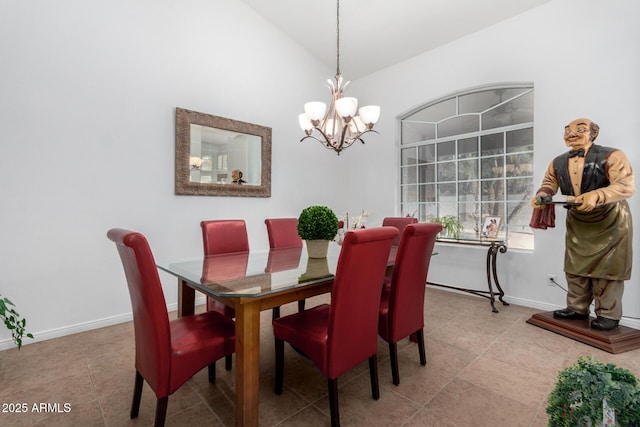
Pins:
x,y
598,243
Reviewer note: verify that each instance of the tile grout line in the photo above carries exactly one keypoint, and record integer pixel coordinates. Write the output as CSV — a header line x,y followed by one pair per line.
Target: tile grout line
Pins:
x,y
93,386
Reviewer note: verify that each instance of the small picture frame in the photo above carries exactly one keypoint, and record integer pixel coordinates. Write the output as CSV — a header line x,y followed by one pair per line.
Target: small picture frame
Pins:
x,y
491,227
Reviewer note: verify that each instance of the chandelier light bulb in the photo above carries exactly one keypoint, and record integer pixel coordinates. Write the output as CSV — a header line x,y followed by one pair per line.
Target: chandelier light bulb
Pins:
x,y
370,114
346,107
304,122
315,110
195,162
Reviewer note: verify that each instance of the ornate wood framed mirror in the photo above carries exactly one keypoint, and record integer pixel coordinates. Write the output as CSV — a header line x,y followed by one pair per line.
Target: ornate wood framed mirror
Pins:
x,y
217,156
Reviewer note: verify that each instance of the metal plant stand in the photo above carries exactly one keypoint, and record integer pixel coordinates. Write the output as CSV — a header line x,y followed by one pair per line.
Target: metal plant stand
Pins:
x,y
494,246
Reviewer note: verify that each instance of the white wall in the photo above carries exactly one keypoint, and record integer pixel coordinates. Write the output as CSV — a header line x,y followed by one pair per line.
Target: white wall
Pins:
x,y
87,124
583,59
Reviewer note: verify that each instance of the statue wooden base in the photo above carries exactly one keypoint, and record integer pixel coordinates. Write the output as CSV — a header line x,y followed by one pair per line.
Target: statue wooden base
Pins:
x,y
617,340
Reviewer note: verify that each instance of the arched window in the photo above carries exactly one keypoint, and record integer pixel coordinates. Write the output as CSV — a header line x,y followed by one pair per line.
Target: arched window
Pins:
x,y
470,155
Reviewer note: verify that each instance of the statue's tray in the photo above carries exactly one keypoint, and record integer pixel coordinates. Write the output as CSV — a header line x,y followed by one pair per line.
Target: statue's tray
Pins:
x,y
559,199
558,202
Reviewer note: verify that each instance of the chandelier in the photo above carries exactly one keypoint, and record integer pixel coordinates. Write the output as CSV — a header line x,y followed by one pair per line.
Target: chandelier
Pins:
x,y
338,127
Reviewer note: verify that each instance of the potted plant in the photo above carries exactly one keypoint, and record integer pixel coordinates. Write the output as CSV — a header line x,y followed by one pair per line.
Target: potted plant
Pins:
x,y
13,322
317,225
451,226
591,393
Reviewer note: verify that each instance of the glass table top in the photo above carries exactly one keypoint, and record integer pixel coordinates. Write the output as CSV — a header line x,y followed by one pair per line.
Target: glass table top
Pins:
x,y
255,273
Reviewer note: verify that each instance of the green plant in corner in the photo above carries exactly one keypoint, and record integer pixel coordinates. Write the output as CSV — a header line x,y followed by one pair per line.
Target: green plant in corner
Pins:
x,y
577,399
317,223
13,322
451,225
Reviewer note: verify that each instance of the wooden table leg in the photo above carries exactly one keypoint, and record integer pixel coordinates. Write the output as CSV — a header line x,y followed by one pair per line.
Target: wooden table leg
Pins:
x,y
247,362
186,299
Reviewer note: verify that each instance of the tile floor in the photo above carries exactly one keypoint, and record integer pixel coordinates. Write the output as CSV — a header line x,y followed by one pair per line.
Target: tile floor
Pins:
x,y
483,369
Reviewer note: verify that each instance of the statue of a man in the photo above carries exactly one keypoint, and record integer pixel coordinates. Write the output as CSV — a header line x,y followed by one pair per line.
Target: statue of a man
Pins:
x,y
598,226
236,176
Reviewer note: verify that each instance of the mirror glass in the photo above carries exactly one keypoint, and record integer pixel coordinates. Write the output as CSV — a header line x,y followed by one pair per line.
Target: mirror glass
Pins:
x,y
216,156
216,153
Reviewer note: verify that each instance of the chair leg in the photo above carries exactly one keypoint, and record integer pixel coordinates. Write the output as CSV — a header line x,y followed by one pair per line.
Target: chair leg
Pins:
x,y
393,357
373,373
333,402
161,411
137,395
212,372
301,305
420,340
276,313
279,366
228,362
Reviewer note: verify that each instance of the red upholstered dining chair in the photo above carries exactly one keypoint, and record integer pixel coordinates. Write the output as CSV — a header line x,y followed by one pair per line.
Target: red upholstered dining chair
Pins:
x,y
399,222
223,236
283,233
168,353
337,337
402,302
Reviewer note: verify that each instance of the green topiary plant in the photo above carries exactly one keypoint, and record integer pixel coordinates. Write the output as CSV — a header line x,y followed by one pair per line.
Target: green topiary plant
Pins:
x,y
13,322
317,223
577,399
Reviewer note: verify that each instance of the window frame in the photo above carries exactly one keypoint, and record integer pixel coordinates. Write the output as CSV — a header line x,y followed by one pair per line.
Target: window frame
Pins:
x,y
430,175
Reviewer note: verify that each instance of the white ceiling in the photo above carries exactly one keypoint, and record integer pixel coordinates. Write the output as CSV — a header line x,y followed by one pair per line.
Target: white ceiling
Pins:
x,y
375,34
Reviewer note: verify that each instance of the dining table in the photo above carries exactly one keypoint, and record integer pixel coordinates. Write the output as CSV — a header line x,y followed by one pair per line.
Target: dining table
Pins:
x,y
251,282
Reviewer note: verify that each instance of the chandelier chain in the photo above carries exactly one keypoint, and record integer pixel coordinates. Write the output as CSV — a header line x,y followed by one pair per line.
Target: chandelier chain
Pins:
x,y
338,37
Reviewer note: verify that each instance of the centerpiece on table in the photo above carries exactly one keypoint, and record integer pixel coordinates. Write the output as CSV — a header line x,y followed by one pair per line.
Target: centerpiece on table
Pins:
x,y
344,225
317,225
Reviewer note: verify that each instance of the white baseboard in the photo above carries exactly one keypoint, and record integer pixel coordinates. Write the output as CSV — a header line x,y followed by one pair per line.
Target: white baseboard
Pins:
x,y
81,327
629,322
127,317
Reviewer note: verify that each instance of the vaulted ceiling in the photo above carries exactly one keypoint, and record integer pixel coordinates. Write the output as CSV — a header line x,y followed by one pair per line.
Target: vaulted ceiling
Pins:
x,y
375,34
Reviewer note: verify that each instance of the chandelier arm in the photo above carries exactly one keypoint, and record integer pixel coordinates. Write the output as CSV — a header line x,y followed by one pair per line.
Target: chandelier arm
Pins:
x,y
358,137
326,141
323,143
312,137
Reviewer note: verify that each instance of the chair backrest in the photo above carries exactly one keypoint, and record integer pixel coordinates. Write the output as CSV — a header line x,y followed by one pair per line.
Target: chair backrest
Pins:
x,y
150,318
355,298
283,232
399,222
224,236
409,277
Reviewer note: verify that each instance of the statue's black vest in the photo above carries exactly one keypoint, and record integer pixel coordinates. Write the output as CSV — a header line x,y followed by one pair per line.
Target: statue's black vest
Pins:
x,y
594,175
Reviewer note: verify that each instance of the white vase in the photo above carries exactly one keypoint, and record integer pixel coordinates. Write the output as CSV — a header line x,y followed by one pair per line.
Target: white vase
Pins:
x,y
317,248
